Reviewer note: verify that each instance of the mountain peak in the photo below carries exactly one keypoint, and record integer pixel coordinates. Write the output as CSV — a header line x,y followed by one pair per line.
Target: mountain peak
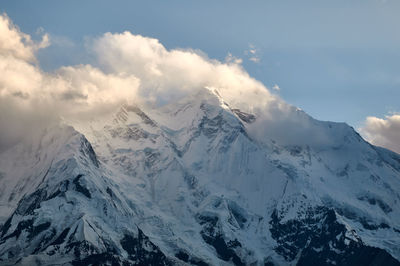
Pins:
x,y
200,181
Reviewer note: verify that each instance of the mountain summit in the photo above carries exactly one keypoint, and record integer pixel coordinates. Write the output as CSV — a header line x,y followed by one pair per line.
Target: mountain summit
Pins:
x,y
201,181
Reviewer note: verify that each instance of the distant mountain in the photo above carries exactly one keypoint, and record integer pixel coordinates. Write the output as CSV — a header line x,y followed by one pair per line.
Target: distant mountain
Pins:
x,y
198,182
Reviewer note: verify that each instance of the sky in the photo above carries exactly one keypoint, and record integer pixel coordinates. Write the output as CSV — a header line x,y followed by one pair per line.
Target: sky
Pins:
x,y
336,60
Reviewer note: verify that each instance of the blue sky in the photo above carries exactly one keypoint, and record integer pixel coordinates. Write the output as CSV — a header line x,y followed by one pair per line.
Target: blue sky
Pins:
x,y
337,60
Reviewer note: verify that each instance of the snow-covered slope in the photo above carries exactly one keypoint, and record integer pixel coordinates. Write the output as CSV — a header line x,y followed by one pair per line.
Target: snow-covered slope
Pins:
x,y
200,181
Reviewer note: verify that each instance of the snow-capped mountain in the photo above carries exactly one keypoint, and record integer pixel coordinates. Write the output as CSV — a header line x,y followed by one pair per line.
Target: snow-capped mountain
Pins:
x,y
200,182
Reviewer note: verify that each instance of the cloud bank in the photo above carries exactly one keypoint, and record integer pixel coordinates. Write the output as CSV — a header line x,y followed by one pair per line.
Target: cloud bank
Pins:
x,y
383,132
169,74
127,68
130,69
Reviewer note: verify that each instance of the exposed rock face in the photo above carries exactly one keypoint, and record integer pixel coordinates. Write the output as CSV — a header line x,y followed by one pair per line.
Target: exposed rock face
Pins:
x,y
319,239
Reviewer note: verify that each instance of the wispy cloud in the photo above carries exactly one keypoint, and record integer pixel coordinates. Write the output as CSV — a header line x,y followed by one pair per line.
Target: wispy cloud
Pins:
x,y
232,59
253,54
276,87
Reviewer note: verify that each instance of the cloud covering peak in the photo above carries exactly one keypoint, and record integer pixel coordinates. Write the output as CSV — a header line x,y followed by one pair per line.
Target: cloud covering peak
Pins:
x,y
127,68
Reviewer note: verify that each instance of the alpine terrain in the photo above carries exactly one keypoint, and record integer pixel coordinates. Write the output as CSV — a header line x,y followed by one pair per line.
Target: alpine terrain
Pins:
x,y
203,180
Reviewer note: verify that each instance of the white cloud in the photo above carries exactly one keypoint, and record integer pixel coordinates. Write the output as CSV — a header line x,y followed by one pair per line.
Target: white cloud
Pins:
x,y
128,68
383,132
253,54
168,74
17,44
276,87
61,41
131,68
254,59
232,59
88,87
30,97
